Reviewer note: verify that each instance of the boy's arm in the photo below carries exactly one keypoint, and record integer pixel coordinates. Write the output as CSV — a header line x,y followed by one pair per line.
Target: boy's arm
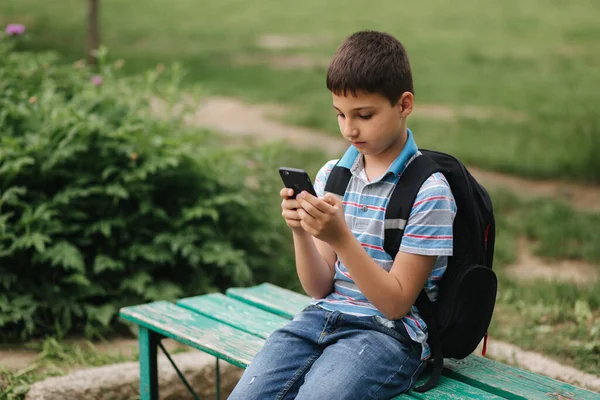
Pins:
x,y
315,259
315,262
392,293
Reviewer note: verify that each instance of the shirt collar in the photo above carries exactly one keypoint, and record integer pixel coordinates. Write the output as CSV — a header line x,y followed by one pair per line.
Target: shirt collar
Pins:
x,y
352,159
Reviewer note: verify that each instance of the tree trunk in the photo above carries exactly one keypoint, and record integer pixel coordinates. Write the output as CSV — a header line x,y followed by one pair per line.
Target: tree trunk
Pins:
x,y
93,35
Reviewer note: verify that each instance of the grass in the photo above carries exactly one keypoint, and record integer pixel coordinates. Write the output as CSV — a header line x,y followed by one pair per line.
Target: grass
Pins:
x,y
558,320
556,229
530,65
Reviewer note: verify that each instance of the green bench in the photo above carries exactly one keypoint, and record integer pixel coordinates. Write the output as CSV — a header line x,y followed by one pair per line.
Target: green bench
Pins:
x,y
233,328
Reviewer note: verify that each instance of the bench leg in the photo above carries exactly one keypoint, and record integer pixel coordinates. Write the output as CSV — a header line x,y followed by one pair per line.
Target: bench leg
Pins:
x,y
218,380
148,341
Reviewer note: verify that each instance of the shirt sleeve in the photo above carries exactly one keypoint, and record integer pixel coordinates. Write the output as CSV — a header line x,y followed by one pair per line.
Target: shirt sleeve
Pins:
x,y
429,227
321,178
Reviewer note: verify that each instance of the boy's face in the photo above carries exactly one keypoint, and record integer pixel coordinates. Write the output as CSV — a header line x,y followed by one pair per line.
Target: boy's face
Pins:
x,y
370,122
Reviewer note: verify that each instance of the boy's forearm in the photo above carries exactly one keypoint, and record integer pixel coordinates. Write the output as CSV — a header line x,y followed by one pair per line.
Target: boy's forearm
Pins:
x,y
378,286
315,275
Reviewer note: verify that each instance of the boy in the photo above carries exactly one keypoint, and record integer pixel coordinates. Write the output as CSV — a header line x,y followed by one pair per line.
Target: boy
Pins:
x,y
361,338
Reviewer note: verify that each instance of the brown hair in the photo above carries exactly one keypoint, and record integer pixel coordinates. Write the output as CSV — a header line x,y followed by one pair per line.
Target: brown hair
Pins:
x,y
374,62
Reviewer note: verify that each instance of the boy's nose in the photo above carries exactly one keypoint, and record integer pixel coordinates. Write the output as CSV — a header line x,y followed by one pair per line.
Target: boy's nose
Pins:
x,y
350,131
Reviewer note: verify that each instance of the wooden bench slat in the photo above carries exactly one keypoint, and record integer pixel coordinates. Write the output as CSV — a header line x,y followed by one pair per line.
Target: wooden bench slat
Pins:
x,y
450,389
469,370
235,313
274,299
195,330
511,382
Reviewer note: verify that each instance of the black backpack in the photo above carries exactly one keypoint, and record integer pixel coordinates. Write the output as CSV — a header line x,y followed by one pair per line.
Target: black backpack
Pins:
x,y
460,317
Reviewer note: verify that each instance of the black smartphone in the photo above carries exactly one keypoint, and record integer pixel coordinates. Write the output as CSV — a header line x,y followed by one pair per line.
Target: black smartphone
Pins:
x,y
296,179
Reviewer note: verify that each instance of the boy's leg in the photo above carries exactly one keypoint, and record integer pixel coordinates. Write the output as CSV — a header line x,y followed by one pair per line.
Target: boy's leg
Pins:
x,y
279,368
363,360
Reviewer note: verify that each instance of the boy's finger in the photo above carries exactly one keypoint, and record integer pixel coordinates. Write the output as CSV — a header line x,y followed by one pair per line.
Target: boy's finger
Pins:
x,y
319,204
290,204
286,193
310,209
290,215
333,200
307,218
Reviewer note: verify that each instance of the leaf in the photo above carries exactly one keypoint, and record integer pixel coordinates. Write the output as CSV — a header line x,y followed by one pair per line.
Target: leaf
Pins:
x,y
106,226
154,254
7,279
43,213
103,314
11,196
77,279
15,166
108,172
66,255
105,263
163,290
72,193
117,191
137,283
38,240
199,212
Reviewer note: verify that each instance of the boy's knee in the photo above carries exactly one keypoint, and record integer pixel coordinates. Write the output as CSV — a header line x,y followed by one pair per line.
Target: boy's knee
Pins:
x,y
248,388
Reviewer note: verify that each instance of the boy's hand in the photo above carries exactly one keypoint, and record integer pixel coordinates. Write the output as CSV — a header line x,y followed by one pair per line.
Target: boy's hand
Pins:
x,y
323,217
289,210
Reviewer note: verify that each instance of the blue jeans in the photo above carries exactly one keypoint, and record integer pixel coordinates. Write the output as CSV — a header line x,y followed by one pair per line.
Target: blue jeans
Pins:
x,y
324,355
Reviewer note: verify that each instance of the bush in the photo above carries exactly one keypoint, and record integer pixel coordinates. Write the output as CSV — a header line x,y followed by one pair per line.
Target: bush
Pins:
x,y
103,205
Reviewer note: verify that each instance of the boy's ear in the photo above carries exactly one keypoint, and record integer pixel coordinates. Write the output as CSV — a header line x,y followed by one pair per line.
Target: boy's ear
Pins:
x,y
405,104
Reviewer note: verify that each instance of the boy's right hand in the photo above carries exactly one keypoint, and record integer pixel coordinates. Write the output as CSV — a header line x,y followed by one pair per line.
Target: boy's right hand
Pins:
x,y
289,210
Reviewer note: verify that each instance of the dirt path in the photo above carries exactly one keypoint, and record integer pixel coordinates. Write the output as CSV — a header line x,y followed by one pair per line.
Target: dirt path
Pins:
x,y
529,267
234,117
19,357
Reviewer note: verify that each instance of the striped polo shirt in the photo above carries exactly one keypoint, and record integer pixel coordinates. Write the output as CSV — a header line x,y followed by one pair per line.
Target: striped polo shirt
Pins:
x,y
427,232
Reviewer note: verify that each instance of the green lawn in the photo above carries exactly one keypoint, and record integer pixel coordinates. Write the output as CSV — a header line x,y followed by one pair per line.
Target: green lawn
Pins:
x,y
531,66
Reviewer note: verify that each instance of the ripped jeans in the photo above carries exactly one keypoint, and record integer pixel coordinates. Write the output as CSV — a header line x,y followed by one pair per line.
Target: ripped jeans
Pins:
x,y
324,355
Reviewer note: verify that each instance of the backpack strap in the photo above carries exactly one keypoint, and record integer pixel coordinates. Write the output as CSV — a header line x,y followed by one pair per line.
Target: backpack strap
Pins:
x,y
338,180
402,200
396,218
340,175
426,309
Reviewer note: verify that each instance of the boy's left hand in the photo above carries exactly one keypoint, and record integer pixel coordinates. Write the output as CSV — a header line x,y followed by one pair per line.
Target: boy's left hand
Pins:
x,y
323,217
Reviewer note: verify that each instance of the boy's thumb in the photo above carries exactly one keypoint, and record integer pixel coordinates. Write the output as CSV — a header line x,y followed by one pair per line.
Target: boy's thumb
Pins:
x,y
332,199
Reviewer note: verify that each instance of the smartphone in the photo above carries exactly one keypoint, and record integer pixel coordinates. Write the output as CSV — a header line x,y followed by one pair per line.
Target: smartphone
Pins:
x,y
296,179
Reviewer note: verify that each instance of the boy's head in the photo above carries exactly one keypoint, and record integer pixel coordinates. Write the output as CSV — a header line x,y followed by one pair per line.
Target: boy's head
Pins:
x,y
372,90
371,62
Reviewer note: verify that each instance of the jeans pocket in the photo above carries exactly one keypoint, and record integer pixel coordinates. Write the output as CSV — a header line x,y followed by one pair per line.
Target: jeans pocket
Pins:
x,y
394,329
311,307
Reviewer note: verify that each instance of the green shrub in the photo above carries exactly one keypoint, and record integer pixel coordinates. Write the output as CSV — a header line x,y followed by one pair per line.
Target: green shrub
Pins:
x,y
103,205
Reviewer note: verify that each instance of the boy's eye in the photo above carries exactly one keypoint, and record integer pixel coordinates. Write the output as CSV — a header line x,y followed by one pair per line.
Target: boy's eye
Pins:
x,y
368,116
340,115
